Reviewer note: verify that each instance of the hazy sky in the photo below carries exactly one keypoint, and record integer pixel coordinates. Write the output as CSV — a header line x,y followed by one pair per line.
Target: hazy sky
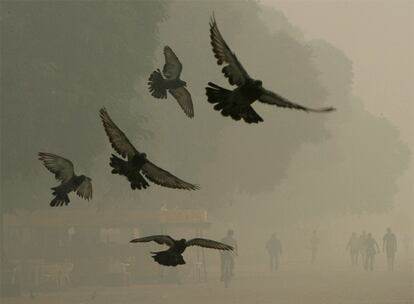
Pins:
x,y
378,37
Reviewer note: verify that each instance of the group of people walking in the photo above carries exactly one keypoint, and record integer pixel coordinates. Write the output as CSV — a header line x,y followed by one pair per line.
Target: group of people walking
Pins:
x,y
361,248
366,247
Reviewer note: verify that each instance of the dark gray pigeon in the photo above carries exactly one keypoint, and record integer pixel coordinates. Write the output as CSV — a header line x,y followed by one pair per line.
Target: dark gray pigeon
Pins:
x,y
173,255
158,85
64,172
237,103
137,162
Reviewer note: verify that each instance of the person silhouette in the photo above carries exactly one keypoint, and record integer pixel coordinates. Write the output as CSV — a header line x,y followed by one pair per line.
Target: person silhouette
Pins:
x,y
389,246
372,248
353,248
274,248
362,246
228,257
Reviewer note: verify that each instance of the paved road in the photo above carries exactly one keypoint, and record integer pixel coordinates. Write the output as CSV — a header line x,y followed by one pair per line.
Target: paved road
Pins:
x,y
301,286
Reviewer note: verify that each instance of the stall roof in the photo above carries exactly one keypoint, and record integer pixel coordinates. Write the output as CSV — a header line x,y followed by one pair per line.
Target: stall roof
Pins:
x,y
56,217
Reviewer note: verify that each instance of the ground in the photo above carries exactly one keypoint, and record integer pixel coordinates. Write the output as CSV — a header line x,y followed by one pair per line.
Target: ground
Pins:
x,y
309,286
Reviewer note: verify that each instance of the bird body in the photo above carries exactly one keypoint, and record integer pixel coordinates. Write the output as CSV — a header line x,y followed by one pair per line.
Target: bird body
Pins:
x,y
70,185
63,170
249,92
237,103
173,255
136,165
171,82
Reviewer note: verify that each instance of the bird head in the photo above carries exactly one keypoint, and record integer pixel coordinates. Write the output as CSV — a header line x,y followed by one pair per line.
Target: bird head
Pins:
x,y
144,155
258,83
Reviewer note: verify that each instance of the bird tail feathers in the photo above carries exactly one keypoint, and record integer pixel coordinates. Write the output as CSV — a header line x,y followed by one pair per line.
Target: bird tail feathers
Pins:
x,y
217,95
60,200
221,97
156,85
122,167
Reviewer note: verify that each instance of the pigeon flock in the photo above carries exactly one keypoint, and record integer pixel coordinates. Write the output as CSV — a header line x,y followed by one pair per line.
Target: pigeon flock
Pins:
x,y
135,165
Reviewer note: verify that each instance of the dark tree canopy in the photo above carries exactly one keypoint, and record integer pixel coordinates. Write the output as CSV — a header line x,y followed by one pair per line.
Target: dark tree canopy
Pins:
x,y
61,62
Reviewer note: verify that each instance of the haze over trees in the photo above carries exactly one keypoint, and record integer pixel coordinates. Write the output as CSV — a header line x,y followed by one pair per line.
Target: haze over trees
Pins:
x,y
62,61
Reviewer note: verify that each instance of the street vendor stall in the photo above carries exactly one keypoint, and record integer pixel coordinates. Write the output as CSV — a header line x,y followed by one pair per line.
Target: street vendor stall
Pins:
x,y
57,247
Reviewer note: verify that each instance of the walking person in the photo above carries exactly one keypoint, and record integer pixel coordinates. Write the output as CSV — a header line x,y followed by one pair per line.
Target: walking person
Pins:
x,y
227,258
353,248
389,246
362,247
372,249
274,248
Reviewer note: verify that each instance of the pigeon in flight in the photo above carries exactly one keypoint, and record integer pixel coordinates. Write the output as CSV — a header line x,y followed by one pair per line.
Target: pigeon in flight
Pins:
x,y
173,255
158,85
237,103
64,172
137,162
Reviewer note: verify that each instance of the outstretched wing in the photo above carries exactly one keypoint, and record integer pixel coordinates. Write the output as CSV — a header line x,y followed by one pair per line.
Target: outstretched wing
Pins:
x,y
234,71
85,189
183,98
172,67
118,139
164,178
61,167
160,239
272,98
208,244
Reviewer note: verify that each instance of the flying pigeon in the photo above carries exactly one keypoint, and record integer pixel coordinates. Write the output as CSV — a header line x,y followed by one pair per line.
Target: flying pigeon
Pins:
x,y
64,172
237,103
158,85
137,164
173,255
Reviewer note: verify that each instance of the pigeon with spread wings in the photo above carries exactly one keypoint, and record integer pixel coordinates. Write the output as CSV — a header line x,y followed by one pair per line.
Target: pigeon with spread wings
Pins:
x,y
64,172
158,85
173,255
237,103
137,162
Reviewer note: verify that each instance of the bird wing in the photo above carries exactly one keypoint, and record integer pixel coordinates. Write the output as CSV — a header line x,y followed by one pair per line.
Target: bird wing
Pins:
x,y
208,244
160,239
164,178
172,67
183,98
118,139
61,167
85,189
272,98
234,71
